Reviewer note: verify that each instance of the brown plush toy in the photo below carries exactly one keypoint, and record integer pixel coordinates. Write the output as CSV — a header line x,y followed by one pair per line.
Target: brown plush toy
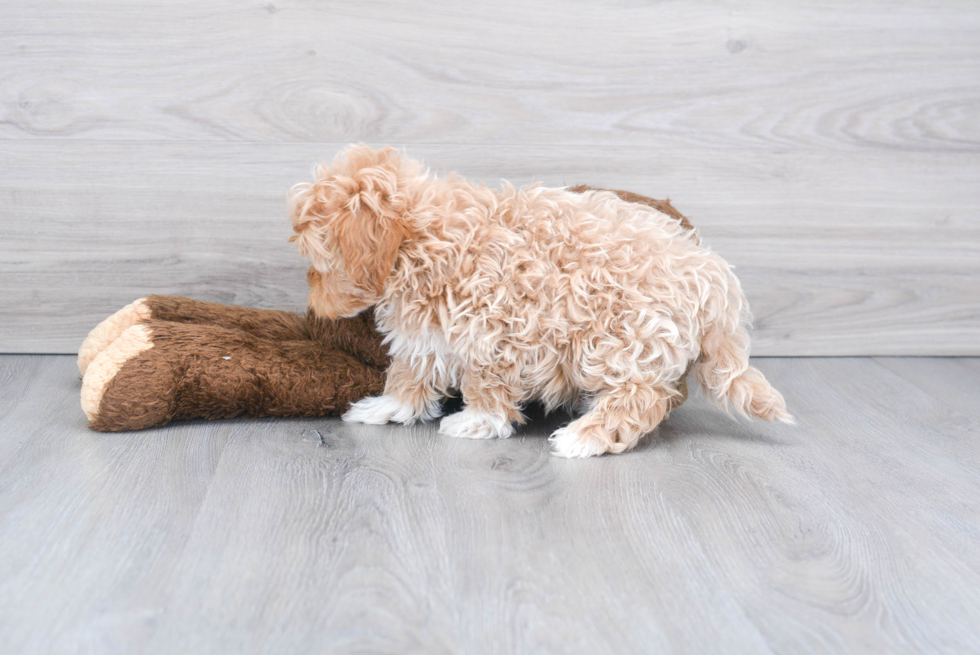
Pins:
x,y
163,358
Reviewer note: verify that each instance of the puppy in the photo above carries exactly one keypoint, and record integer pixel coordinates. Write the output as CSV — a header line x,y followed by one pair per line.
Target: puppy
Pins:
x,y
513,295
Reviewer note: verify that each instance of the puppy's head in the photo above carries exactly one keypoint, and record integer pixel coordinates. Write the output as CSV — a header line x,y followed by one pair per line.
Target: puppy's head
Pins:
x,y
350,223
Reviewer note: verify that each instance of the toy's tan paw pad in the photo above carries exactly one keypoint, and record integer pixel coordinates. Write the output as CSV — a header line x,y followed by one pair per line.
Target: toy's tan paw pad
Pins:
x,y
107,363
109,330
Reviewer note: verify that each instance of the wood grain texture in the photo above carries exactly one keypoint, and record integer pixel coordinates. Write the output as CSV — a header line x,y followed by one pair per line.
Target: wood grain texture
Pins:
x,y
828,74
874,269
830,150
854,532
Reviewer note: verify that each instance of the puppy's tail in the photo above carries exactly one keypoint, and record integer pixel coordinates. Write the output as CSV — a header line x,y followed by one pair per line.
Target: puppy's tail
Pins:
x,y
723,367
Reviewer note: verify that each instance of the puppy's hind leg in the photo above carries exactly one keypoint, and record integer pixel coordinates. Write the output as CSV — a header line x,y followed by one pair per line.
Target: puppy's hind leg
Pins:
x,y
413,392
490,410
618,419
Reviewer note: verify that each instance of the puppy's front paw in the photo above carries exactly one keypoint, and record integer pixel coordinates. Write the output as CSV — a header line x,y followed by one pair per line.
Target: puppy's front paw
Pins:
x,y
476,425
378,410
570,442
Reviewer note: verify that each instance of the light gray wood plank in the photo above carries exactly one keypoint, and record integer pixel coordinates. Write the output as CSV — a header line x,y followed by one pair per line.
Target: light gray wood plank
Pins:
x,y
88,520
826,74
951,381
839,254
828,150
852,533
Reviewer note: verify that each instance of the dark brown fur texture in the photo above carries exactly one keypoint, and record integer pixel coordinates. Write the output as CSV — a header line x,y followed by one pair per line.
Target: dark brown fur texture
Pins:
x,y
215,361
210,360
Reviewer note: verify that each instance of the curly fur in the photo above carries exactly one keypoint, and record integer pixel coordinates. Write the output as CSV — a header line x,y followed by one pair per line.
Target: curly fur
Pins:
x,y
513,295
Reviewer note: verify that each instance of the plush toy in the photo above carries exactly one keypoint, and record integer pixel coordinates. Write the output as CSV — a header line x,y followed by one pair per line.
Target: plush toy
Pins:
x,y
163,358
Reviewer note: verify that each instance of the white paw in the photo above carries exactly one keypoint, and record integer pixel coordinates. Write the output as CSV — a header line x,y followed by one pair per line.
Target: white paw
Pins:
x,y
567,442
378,410
476,425
108,330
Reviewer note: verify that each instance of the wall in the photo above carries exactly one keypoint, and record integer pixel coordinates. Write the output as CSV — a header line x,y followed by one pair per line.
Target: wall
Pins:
x,y
830,151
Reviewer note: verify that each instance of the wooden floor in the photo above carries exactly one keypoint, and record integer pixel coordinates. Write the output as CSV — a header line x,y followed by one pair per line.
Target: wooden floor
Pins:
x,y
854,532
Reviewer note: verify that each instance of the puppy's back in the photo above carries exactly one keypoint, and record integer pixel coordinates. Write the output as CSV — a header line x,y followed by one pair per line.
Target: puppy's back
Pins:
x,y
662,206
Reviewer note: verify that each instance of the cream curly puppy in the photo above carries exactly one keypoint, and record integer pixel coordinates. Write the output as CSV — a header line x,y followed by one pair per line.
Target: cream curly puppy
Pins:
x,y
513,295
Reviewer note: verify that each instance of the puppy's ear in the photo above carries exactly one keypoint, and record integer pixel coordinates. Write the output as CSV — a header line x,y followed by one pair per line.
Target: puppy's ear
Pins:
x,y
372,226
357,206
369,244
